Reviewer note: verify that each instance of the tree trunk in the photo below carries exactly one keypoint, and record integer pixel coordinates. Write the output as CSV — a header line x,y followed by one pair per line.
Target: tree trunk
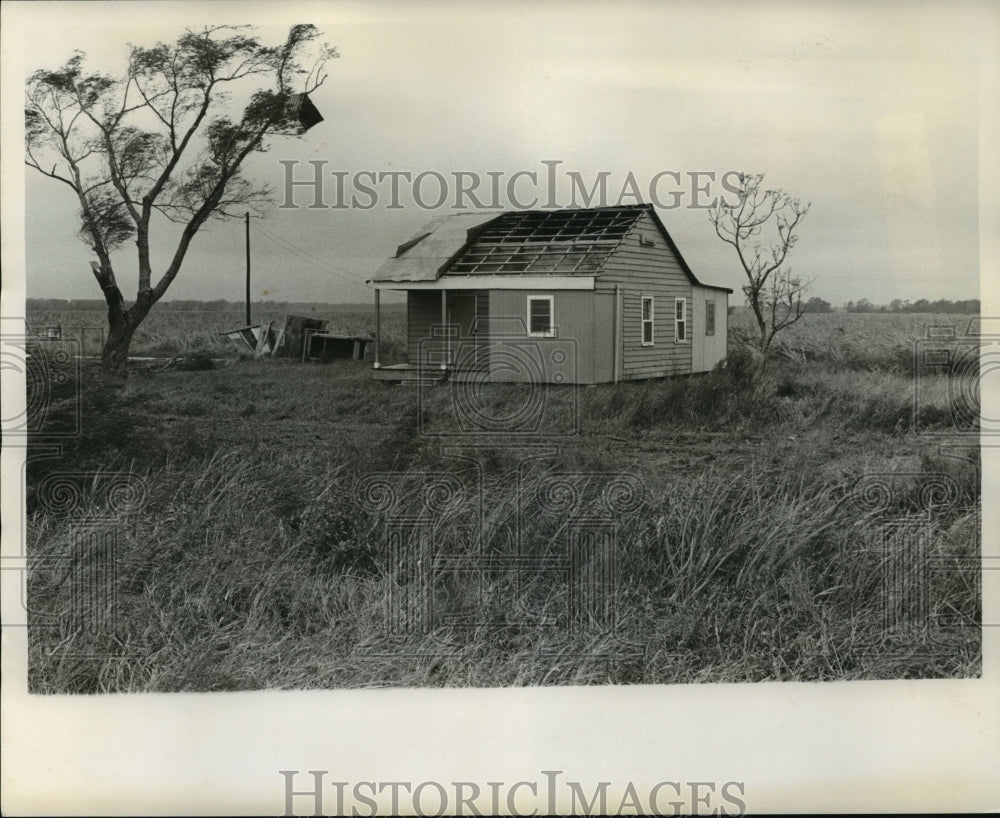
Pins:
x,y
114,356
765,354
761,371
122,325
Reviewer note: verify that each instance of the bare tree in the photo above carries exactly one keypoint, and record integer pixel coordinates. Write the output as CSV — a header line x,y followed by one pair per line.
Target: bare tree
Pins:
x,y
162,140
773,293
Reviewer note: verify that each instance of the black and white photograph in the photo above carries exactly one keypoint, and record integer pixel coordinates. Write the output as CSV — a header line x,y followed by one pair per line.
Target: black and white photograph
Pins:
x,y
494,408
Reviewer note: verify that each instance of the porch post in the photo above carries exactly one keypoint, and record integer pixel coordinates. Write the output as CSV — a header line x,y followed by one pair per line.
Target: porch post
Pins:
x,y
444,328
378,325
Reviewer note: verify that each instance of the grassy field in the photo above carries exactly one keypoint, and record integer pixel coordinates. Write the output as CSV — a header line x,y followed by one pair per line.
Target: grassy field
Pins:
x,y
169,332
757,534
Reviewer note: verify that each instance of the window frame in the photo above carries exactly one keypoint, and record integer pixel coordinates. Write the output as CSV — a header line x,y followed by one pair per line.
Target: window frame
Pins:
x,y
710,325
680,324
550,333
643,320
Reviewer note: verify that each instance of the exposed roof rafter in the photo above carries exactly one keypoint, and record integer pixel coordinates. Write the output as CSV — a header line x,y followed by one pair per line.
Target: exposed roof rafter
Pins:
x,y
564,242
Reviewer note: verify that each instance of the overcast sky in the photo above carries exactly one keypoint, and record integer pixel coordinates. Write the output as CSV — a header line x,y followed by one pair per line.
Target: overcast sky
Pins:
x,y
869,111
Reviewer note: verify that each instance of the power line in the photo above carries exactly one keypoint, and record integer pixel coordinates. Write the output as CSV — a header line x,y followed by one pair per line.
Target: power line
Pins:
x,y
319,262
309,259
290,248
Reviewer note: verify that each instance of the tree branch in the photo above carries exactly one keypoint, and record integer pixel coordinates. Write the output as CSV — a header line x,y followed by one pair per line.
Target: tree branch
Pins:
x,y
772,294
178,160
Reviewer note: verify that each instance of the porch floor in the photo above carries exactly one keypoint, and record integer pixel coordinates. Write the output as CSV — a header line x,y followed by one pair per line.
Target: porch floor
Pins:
x,y
408,373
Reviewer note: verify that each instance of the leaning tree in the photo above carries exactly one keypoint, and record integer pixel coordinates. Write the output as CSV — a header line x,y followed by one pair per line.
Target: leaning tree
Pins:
x,y
773,293
165,143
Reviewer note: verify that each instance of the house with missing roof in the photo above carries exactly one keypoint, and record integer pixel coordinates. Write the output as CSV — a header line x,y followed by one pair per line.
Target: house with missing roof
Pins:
x,y
584,296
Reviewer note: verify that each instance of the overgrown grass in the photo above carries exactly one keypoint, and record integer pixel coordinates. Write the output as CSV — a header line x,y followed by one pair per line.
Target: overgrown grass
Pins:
x,y
232,579
853,341
169,332
754,549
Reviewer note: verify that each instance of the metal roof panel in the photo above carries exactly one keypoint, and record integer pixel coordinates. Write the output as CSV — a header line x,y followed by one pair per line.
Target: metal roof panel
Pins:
x,y
432,248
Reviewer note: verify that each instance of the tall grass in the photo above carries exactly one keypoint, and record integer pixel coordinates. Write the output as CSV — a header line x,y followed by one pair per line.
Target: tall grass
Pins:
x,y
168,332
851,341
225,582
254,562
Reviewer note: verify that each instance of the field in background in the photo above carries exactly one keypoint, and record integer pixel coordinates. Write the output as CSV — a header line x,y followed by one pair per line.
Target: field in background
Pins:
x,y
867,341
755,550
167,332
877,341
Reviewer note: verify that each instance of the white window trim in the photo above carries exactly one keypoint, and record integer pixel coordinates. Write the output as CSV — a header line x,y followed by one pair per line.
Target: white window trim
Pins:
x,y
652,321
552,316
679,321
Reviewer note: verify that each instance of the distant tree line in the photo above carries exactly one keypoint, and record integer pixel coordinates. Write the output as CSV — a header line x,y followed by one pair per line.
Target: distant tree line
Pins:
x,y
897,305
943,305
817,305
219,305
968,307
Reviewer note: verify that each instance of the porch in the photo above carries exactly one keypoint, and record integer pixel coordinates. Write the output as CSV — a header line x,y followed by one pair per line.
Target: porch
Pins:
x,y
446,337
409,374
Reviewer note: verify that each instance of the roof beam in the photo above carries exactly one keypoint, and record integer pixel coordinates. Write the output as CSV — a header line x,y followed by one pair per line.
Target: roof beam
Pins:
x,y
497,282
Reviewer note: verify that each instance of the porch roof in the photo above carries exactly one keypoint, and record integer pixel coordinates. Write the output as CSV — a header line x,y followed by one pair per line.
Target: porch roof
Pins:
x,y
422,257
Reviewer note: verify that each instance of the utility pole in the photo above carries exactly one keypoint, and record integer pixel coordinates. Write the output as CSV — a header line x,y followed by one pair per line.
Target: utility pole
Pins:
x,y
247,220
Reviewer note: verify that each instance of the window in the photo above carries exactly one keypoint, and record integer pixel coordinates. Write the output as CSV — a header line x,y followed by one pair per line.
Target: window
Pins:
x,y
680,320
540,318
647,320
710,318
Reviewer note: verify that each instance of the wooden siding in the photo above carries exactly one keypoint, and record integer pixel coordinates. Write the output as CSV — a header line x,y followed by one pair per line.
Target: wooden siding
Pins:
x,y
709,349
482,329
469,312
423,311
567,357
423,318
644,265
603,338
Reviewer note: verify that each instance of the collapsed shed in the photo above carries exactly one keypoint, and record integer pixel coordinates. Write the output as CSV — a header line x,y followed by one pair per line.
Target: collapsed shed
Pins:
x,y
299,338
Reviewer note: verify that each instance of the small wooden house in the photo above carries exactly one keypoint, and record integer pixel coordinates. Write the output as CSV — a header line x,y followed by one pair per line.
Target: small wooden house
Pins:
x,y
558,296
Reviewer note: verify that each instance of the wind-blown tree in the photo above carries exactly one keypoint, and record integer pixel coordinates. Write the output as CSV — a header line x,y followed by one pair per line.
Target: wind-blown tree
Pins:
x,y
163,141
773,293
